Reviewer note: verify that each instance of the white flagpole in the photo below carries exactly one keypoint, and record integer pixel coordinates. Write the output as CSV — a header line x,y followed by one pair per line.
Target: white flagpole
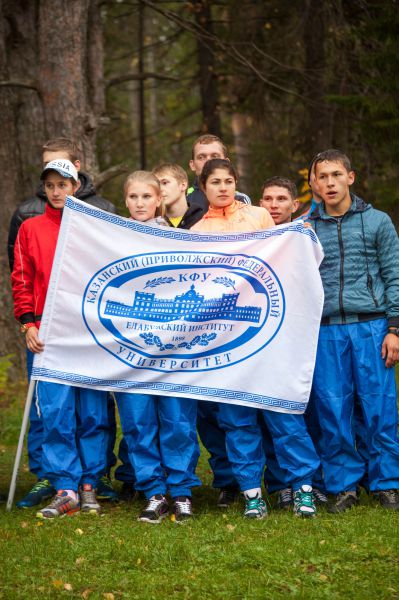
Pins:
x,y
17,461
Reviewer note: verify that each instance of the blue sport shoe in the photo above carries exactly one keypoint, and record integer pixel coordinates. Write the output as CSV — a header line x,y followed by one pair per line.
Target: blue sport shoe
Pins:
x,y
105,490
41,491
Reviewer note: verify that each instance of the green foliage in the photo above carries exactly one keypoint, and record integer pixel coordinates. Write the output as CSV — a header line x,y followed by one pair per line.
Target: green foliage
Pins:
x,y
5,366
297,98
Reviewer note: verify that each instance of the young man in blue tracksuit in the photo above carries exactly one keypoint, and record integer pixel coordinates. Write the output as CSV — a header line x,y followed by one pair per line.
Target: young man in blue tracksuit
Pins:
x,y
279,197
359,337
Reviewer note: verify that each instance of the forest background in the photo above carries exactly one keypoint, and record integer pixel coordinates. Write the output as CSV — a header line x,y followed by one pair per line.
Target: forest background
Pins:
x,y
135,82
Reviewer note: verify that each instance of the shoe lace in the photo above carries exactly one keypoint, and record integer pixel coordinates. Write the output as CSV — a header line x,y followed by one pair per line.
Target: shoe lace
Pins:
x,y
319,495
88,497
154,503
227,495
253,503
39,485
305,498
58,500
391,495
286,495
183,506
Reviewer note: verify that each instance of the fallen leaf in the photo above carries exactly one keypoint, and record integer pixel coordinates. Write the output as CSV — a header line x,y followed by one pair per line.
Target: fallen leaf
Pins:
x,y
57,583
39,524
80,560
353,546
224,516
86,593
138,562
230,527
24,524
79,531
311,568
108,596
68,587
323,577
322,542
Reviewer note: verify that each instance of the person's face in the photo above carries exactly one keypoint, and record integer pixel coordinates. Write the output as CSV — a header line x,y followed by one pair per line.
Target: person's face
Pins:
x,y
314,186
204,152
280,204
142,200
171,189
49,155
57,188
220,188
333,182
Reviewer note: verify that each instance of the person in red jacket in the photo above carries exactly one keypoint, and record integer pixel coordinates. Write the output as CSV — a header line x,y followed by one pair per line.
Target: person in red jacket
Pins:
x,y
74,419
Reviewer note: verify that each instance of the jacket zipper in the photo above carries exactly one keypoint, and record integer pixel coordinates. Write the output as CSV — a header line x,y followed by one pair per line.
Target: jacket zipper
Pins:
x,y
341,271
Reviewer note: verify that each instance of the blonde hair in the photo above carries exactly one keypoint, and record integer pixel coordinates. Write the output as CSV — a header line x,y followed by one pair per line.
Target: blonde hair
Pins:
x,y
172,169
148,178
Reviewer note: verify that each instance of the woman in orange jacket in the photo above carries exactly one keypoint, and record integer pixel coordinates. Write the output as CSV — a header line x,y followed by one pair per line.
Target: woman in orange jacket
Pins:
x,y
225,214
240,423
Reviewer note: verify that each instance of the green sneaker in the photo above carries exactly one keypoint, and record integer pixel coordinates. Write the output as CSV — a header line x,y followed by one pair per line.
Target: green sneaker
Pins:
x,y
41,491
304,505
105,490
255,508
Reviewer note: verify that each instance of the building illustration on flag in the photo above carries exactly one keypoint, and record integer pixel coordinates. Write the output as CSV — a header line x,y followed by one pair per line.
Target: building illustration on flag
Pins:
x,y
190,306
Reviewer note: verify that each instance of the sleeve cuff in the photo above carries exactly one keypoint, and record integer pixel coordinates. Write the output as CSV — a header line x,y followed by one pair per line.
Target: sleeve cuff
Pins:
x,y
30,318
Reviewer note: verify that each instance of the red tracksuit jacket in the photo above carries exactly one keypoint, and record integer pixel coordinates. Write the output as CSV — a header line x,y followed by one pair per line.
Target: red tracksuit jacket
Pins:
x,y
33,258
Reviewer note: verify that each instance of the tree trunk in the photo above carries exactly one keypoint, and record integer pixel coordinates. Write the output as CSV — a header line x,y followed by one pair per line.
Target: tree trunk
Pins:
x,y
317,134
55,47
208,80
239,126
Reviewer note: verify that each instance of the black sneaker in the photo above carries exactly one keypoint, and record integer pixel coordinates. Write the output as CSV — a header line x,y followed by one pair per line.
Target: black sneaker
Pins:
x,y
320,497
285,499
156,510
343,501
127,492
227,497
389,499
182,509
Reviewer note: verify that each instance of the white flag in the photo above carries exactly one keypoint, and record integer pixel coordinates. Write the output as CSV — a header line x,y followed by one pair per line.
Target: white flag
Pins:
x,y
149,309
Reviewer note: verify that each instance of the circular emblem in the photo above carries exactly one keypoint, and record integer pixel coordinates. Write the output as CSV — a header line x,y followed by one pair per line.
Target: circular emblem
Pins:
x,y
184,311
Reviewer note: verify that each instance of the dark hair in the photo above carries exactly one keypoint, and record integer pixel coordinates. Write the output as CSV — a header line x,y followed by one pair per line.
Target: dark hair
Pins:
x,y
331,155
216,163
63,144
281,182
208,138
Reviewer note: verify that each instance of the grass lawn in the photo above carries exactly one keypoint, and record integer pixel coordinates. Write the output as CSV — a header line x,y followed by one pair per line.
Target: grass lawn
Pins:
x,y
218,555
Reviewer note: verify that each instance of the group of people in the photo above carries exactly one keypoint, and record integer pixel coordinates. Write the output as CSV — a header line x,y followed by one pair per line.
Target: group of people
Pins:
x,y
348,436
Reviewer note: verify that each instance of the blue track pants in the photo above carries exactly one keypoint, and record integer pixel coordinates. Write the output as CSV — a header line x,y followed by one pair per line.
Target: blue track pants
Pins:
x,y
293,447
75,434
349,363
213,438
162,442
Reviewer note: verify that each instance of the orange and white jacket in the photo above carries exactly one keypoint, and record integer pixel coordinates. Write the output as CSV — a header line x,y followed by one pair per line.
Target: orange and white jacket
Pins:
x,y
237,217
